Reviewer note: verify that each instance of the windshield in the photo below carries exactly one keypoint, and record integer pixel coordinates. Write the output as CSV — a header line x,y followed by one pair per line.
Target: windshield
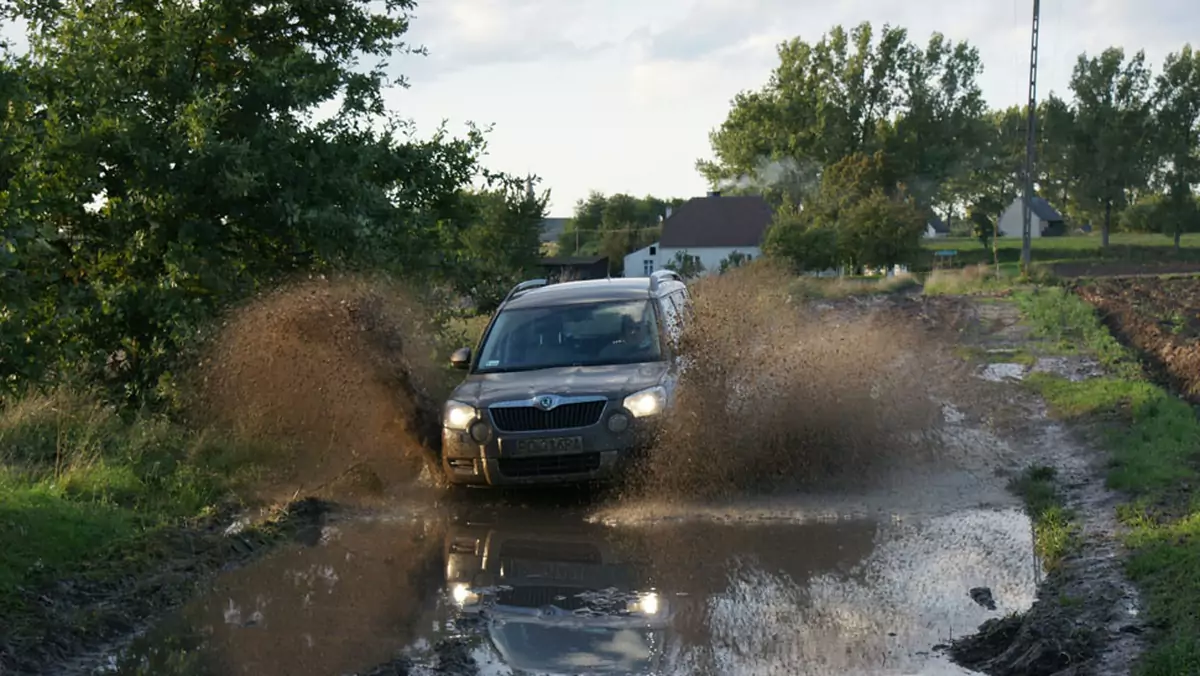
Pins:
x,y
593,334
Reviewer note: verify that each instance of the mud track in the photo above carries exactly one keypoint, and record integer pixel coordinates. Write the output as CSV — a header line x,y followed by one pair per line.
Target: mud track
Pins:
x,y
880,572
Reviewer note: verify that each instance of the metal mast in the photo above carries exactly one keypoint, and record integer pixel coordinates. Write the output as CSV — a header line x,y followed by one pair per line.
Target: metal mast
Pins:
x,y
1030,139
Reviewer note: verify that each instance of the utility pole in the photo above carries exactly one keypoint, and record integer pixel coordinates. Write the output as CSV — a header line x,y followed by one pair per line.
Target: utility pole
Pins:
x,y
1030,139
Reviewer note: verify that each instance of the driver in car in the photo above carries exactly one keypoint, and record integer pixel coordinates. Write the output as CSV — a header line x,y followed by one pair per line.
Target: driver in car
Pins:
x,y
633,340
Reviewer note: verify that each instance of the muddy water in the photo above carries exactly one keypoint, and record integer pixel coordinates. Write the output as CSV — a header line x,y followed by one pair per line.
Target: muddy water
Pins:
x,y
472,587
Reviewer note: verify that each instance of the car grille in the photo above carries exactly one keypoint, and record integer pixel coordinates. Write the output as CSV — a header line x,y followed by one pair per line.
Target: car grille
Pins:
x,y
549,550
550,465
530,419
539,597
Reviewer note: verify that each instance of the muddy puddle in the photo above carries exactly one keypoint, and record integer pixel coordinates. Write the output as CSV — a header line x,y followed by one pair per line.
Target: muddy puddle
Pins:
x,y
473,588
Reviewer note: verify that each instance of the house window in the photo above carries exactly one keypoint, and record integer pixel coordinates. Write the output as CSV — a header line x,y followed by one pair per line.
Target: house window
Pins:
x,y
648,267
653,250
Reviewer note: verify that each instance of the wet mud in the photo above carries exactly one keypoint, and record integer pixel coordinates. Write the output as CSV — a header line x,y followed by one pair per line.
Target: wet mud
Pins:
x,y
469,589
1086,619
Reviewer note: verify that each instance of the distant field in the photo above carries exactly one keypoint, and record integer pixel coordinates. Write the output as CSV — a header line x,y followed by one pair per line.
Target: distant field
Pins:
x,y
1073,250
1074,243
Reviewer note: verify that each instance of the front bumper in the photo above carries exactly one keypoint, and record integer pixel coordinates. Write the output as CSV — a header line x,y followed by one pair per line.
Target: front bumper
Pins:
x,y
601,454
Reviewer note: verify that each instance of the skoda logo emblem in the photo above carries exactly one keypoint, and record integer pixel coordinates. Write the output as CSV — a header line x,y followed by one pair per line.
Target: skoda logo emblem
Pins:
x,y
546,402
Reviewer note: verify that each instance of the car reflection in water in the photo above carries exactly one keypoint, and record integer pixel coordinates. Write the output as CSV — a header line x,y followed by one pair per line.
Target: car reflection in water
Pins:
x,y
558,599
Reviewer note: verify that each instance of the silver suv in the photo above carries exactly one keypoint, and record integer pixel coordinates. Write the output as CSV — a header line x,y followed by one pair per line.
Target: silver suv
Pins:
x,y
569,381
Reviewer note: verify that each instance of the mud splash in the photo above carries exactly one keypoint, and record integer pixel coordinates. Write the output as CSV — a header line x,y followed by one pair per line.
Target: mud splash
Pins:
x,y
780,393
337,377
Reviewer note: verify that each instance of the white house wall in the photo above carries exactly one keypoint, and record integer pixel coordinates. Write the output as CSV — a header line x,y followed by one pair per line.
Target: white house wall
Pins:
x,y
710,257
635,262
1012,221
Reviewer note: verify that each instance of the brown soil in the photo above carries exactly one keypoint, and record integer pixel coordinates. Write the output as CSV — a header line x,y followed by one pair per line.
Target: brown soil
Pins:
x,y
1160,318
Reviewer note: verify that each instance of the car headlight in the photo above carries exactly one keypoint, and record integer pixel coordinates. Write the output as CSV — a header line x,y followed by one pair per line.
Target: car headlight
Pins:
x,y
647,402
457,415
646,604
462,595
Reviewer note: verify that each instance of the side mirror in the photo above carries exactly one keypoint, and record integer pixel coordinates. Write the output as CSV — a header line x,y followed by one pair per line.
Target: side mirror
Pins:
x,y
461,358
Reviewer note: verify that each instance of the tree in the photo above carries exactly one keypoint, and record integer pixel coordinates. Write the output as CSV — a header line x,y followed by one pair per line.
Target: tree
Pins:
x,y
614,226
804,244
881,230
499,241
1110,148
1056,168
166,164
992,180
1177,116
941,119
857,219
687,265
848,93
798,116
982,227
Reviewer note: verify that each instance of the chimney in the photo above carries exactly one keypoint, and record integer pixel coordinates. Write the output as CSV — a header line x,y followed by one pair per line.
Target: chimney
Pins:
x,y
668,214
714,193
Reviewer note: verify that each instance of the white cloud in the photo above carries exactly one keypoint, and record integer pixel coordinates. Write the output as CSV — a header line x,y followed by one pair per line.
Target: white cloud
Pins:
x,y
619,95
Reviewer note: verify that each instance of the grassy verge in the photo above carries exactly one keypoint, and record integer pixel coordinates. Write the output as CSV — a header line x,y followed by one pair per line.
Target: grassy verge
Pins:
x,y
1053,528
1154,441
982,278
844,287
81,486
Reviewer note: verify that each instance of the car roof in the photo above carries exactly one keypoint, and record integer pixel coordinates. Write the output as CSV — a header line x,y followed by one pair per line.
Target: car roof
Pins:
x,y
591,291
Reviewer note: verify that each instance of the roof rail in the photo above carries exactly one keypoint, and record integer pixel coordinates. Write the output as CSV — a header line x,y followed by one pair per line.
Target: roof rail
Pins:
x,y
658,276
524,286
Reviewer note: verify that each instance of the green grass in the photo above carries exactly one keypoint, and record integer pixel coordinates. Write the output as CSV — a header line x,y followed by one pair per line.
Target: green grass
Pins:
x,y
1073,248
77,480
1070,242
1053,524
1154,442
1071,325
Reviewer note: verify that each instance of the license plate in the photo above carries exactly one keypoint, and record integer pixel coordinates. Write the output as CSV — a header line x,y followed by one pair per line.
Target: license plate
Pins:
x,y
544,446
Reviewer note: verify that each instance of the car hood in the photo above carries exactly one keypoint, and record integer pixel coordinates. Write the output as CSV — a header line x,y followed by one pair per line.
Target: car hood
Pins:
x,y
484,389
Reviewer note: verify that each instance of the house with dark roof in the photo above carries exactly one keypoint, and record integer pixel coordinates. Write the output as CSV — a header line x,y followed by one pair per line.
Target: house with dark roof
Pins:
x,y
935,227
1045,220
710,228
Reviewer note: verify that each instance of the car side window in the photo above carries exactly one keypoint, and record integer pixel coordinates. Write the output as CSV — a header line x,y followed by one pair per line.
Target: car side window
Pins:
x,y
670,318
683,307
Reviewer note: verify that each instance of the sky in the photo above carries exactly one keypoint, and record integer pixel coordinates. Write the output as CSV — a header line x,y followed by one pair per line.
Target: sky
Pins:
x,y
620,95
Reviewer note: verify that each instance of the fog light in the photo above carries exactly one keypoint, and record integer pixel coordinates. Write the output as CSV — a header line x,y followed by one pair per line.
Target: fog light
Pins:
x,y
618,422
480,432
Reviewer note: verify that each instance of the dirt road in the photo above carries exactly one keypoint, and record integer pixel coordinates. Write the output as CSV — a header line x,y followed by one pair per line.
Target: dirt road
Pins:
x,y
846,577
